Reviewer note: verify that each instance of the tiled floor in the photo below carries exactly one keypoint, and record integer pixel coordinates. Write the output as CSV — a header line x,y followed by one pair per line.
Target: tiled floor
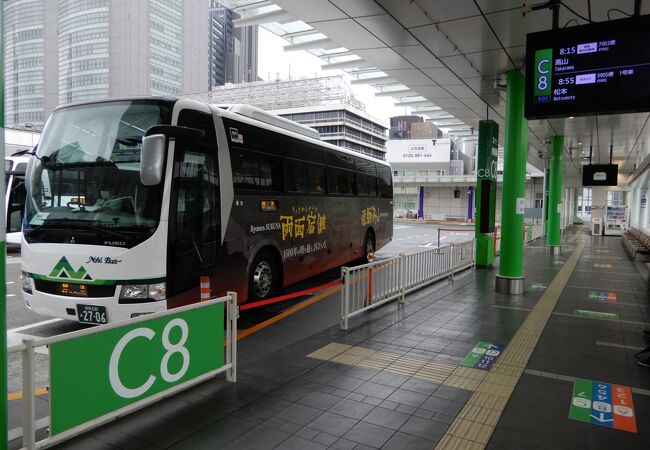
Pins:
x,y
375,388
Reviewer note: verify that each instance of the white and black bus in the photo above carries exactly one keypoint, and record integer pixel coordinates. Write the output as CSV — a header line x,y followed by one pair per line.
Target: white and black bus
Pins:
x,y
131,201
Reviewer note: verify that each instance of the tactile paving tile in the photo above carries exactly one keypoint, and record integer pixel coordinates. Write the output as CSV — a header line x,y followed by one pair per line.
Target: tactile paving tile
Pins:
x,y
449,442
465,378
482,415
435,372
407,365
379,360
485,400
473,431
329,351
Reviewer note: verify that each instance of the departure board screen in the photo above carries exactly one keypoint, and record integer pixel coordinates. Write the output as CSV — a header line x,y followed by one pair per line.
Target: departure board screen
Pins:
x,y
601,68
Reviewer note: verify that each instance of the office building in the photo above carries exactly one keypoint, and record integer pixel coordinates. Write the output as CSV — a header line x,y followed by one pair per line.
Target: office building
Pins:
x,y
233,51
62,51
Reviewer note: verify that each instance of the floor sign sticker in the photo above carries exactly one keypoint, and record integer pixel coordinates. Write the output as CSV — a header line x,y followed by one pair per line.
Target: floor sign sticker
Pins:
x,y
483,356
595,314
538,287
602,266
602,296
604,404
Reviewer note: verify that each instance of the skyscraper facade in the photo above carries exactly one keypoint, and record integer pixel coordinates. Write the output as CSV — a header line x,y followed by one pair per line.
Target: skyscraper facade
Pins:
x,y
62,51
233,51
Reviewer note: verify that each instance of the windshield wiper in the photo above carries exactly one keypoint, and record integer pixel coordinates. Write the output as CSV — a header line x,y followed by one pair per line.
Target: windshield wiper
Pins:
x,y
76,224
50,164
129,141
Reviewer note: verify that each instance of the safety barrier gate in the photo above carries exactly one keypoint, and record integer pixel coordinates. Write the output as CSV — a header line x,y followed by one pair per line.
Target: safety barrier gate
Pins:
x,y
102,373
370,285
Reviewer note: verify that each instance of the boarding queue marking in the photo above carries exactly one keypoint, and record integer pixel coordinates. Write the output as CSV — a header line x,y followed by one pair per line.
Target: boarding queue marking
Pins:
x,y
602,296
604,404
483,355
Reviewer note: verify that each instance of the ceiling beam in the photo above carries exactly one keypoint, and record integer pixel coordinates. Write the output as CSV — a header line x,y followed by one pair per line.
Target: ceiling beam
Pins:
x,y
279,16
325,44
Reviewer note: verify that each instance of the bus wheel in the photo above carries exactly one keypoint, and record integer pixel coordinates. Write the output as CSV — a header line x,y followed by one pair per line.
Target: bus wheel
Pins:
x,y
264,276
369,245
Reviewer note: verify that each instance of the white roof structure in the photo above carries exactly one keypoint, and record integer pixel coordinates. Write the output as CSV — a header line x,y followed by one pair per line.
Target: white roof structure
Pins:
x,y
448,60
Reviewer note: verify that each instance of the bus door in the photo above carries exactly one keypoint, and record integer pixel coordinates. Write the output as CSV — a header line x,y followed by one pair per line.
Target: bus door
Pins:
x,y
194,214
16,194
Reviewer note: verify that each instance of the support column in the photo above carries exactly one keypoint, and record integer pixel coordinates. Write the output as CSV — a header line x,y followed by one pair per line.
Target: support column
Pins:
x,y
556,166
486,192
3,284
421,202
510,279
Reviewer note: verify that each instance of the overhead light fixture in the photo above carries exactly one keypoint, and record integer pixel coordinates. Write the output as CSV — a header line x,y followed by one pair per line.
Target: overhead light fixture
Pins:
x,y
571,117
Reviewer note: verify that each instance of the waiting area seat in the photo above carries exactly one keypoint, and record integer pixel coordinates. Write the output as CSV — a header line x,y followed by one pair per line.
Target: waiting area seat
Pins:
x,y
637,244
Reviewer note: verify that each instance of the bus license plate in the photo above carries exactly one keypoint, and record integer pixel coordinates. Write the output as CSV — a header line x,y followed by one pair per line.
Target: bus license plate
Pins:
x,y
92,314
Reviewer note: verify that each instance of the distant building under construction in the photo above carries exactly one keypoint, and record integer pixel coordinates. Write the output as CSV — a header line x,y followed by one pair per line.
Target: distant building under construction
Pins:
x,y
325,104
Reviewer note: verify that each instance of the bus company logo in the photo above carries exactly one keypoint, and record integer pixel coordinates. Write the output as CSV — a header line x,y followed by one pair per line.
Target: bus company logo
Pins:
x,y
63,269
102,260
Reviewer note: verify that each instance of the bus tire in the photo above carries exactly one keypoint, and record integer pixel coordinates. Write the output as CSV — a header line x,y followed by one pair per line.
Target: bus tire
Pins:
x,y
368,244
264,277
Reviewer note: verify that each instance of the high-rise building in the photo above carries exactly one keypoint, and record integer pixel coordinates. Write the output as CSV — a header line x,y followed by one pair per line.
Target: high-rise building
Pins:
x,y
62,51
233,51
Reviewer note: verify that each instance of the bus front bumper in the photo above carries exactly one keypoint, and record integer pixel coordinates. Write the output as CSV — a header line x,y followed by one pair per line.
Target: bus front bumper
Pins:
x,y
67,307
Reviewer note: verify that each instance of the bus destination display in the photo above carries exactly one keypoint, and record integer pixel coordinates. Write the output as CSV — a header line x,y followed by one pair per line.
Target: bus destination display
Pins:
x,y
602,68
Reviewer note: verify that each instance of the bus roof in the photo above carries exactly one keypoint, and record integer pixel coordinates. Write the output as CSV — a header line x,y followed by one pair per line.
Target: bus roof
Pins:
x,y
219,110
248,114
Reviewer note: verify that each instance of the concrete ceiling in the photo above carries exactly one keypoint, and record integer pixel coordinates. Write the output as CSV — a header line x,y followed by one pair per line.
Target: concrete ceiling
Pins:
x,y
449,58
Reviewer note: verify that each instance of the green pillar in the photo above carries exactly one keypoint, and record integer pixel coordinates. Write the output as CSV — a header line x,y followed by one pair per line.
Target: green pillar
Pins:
x,y
486,192
3,285
510,279
556,177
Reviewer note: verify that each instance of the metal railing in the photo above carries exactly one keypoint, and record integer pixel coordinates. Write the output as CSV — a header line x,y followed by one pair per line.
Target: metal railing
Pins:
x,y
28,346
370,285
532,232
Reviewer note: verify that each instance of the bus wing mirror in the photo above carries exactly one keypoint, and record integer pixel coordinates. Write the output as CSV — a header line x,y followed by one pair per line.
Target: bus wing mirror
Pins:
x,y
151,159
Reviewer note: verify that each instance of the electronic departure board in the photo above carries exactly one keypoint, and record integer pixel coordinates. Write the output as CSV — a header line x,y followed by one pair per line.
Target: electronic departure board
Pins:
x,y
601,68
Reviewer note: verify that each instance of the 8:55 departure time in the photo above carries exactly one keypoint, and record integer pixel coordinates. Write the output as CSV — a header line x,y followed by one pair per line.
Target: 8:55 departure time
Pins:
x,y
566,80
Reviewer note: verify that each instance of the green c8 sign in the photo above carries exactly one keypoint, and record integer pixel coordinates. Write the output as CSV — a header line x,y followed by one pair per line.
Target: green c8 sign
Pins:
x,y
543,75
96,374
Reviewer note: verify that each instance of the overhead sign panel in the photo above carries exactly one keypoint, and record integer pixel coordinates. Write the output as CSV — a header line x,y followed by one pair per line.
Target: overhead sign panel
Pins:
x,y
418,151
601,68
600,175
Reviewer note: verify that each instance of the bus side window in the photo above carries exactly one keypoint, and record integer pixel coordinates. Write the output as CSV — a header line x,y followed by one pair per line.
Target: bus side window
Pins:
x,y
340,181
385,182
316,177
296,176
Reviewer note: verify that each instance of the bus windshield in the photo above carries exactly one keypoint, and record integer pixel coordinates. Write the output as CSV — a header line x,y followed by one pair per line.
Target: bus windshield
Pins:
x,y
87,171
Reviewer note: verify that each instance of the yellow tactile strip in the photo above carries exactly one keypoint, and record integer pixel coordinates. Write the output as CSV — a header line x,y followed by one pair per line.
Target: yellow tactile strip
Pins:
x,y
410,366
475,423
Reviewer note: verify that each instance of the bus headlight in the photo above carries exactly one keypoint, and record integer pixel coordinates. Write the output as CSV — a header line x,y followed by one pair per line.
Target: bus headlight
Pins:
x,y
26,281
134,291
158,291
144,292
